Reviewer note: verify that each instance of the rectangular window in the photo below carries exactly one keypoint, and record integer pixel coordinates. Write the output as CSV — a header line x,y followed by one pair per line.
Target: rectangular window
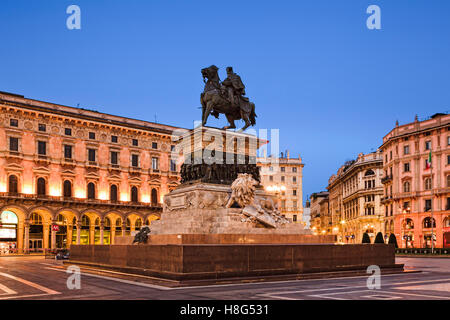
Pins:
x,y
406,150
135,160
114,139
13,122
294,179
42,127
92,135
173,165
448,159
294,218
282,178
270,178
172,148
68,152
448,140
114,157
14,144
135,142
155,165
406,167
154,145
294,169
427,205
294,192
91,155
283,169
447,207
427,145
68,131
42,148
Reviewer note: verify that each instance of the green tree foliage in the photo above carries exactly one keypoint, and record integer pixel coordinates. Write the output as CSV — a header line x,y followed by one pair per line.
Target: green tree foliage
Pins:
x,y
365,238
393,240
379,238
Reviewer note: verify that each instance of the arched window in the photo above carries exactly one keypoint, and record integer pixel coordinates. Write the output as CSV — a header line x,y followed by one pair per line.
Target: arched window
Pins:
x,y
113,193
369,172
91,190
428,222
138,224
134,194
67,189
408,224
154,196
85,221
447,222
406,186
13,184
107,222
35,219
428,184
41,186
61,220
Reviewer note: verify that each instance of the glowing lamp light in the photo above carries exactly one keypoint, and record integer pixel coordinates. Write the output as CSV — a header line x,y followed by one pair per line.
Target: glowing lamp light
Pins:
x,y
80,194
27,189
103,195
54,192
323,231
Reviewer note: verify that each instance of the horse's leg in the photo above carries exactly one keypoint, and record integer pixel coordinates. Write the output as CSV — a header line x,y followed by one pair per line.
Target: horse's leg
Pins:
x,y
244,117
206,113
231,122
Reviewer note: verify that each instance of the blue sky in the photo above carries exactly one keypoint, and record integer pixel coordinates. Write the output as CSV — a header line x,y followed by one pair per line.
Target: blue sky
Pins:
x,y
313,69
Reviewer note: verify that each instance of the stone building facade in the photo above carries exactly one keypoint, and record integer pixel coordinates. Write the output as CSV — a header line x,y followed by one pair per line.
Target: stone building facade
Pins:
x,y
284,177
70,175
320,221
355,198
417,198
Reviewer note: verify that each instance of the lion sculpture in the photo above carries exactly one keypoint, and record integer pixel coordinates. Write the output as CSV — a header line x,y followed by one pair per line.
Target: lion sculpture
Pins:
x,y
242,190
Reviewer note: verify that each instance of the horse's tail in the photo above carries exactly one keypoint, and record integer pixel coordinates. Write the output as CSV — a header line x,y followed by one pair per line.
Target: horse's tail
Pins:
x,y
253,114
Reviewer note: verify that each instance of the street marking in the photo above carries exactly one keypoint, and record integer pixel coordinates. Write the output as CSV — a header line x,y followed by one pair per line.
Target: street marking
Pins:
x,y
147,285
6,290
27,296
327,295
278,295
29,283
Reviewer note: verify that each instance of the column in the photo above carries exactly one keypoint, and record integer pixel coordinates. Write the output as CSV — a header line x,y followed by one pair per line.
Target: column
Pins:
x,y
26,244
102,228
69,235
78,232
92,234
46,233
113,234
124,227
53,235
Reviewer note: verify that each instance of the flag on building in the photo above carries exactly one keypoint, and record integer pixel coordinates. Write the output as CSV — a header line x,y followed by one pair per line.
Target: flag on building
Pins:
x,y
428,161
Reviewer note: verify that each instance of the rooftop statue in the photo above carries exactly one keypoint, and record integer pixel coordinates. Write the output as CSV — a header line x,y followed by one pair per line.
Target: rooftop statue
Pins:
x,y
226,97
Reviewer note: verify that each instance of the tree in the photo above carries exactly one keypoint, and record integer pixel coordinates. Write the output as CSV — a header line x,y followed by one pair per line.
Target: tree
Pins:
x,y
379,238
393,240
365,238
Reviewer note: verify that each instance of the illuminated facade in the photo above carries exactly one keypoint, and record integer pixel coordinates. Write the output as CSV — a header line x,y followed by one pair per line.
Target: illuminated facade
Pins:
x,y
320,220
284,176
70,175
355,198
417,198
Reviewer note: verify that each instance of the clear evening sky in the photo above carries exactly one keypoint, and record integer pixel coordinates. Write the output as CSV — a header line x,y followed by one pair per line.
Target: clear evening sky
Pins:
x,y
333,87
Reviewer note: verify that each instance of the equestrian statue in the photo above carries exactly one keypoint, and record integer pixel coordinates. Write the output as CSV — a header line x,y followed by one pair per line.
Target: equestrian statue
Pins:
x,y
226,97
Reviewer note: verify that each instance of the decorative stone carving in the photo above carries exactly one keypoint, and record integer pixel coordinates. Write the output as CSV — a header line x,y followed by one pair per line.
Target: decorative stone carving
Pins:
x,y
55,130
80,134
28,125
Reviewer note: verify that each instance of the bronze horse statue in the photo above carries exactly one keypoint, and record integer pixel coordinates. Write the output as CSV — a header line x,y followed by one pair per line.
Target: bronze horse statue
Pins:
x,y
215,101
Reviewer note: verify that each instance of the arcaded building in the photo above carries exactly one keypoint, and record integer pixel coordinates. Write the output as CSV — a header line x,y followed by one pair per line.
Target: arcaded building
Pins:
x,y
417,197
75,176
283,177
356,192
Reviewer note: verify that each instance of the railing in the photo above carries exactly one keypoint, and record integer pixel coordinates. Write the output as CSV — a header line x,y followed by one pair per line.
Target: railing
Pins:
x,y
386,179
76,200
421,251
